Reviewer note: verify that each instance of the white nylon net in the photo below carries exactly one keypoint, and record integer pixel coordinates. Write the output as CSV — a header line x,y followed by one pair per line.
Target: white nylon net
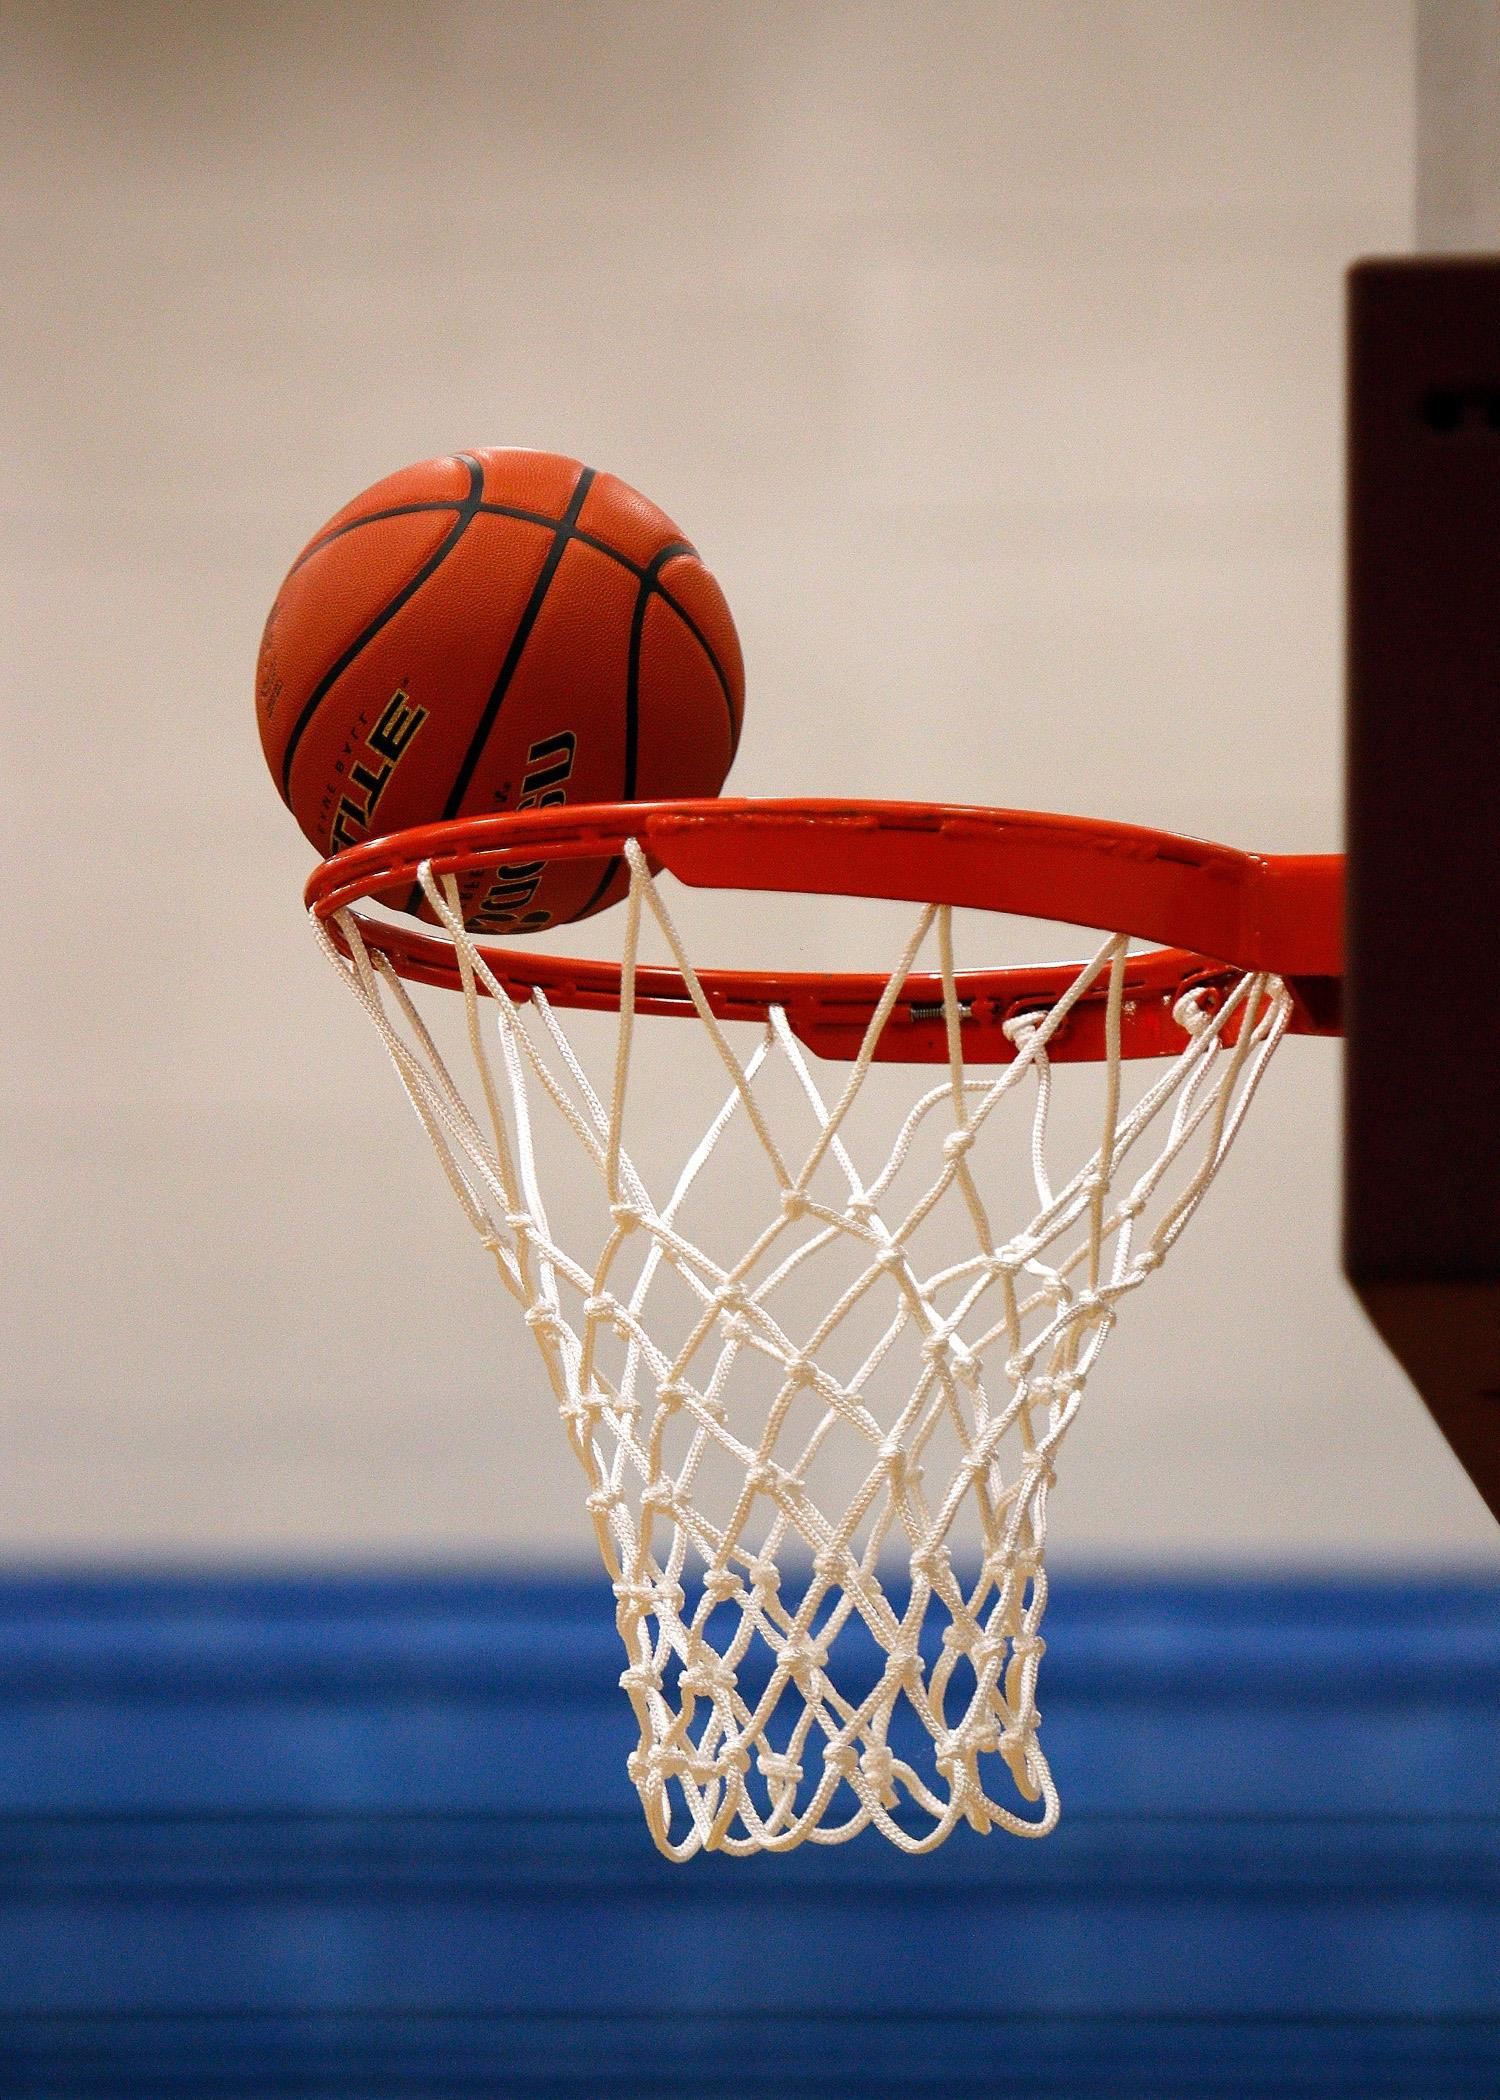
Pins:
x,y
825,1526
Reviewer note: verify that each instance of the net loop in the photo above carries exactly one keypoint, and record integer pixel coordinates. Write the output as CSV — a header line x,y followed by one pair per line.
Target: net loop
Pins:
x,y
819,1441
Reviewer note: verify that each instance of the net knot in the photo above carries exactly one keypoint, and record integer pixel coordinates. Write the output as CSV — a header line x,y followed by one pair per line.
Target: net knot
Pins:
x,y
626,1216
894,1460
981,1735
957,1143
651,1767
932,1562
1148,1259
801,1370
672,1394
783,1773
707,1770
601,1502
709,1674
730,1298
641,1677
946,1347
794,1205
766,1478
1015,1742
641,1594
519,1221
987,1652
1192,1013
904,1665
805,1660
1094,1309
545,1322
582,1410
720,1585
660,1493
1006,1260
602,1307
861,1209
878,1768
834,1564
953,1758
1020,1028
765,1577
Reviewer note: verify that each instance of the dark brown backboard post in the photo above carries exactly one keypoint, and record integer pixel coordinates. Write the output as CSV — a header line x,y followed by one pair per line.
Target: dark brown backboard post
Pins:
x,y
1422,1095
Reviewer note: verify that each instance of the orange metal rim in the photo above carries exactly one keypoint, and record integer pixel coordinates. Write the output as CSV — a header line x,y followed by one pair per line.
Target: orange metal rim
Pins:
x,y
1217,911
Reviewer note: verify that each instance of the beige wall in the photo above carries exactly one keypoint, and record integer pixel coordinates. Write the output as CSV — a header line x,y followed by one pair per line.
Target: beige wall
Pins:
x,y
1458,125
991,354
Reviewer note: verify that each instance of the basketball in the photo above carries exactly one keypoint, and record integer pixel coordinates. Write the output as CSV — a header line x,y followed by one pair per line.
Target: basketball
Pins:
x,y
492,631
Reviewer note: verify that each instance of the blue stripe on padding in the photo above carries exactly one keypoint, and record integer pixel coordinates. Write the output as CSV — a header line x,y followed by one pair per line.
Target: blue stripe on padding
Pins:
x,y
353,1834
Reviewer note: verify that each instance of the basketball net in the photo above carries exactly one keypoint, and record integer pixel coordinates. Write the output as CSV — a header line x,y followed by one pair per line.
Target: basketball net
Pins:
x,y
800,1671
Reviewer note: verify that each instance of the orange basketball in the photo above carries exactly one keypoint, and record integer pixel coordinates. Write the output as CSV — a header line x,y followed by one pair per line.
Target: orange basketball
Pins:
x,y
496,630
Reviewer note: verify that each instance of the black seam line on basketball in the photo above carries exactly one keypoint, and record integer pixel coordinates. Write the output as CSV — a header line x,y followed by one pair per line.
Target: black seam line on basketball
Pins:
x,y
491,510
611,869
399,510
562,534
375,517
536,517
387,612
633,668
706,646
650,583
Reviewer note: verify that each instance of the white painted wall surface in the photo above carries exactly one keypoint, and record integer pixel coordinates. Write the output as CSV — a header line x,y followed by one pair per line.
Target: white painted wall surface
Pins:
x,y
992,355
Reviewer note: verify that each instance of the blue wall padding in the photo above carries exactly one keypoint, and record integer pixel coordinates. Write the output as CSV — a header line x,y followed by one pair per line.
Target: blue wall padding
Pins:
x,y
373,1835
